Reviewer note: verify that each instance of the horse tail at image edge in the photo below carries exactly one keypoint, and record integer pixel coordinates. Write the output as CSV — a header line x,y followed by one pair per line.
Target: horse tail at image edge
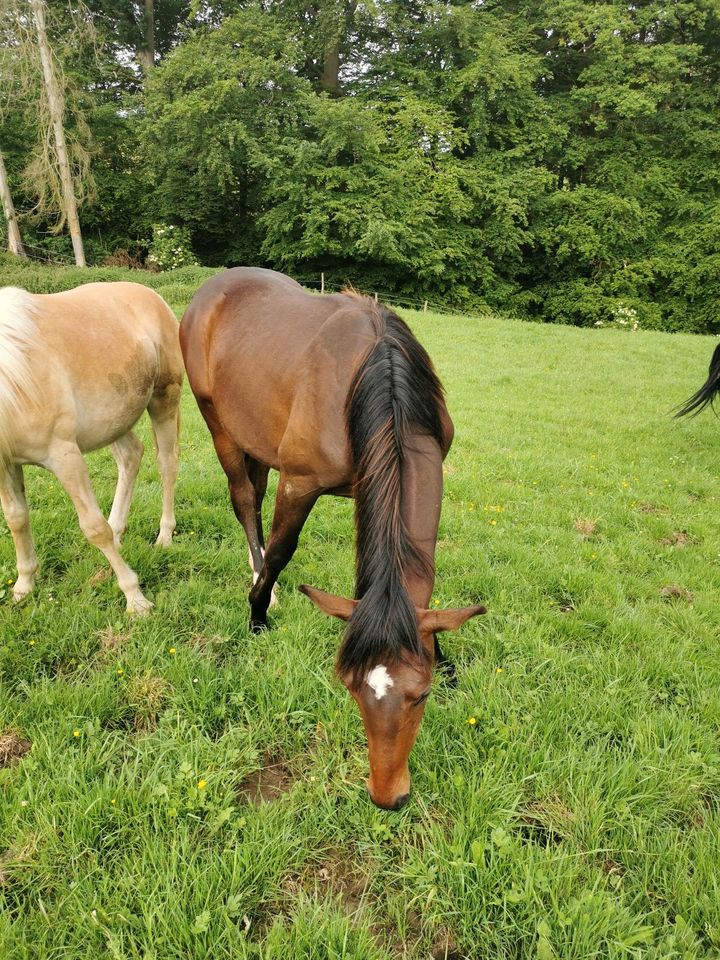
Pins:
x,y
707,392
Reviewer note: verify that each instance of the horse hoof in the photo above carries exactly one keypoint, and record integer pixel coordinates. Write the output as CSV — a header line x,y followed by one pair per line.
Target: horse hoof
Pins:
x,y
257,626
19,595
164,540
139,607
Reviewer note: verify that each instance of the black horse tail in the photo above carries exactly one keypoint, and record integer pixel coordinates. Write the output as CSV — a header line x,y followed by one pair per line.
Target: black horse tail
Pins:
x,y
706,394
395,391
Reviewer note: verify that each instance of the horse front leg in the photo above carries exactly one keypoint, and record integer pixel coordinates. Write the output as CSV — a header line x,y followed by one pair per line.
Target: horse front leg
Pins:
x,y
293,503
15,508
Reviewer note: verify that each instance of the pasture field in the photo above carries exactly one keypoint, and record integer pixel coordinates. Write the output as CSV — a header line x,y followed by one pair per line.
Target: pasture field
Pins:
x,y
195,791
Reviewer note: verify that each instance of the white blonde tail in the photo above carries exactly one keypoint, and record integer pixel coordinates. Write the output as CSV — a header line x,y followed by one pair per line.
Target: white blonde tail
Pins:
x,y
18,334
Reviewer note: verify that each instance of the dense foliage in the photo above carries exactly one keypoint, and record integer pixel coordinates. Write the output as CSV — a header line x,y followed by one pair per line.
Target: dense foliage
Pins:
x,y
553,158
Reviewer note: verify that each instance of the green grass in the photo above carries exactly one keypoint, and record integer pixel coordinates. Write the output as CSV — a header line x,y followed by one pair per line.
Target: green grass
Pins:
x,y
578,817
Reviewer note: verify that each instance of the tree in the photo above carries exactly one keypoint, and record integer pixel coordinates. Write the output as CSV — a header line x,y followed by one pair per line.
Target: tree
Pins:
x,y
14,242
56,106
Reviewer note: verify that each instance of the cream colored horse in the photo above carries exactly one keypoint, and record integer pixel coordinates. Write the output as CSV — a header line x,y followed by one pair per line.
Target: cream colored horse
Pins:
x,y
77,369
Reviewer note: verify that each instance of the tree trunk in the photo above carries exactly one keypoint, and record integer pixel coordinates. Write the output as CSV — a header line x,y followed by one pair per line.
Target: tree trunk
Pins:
x,y
330,78
14,242
56,104
146,53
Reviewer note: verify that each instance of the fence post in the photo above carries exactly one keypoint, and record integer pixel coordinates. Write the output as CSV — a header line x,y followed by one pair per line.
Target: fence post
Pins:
x,y
322,283
376,299
425,307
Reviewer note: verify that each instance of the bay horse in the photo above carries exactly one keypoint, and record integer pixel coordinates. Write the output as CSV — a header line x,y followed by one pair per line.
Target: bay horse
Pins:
x,y
336,394
707,392
77,369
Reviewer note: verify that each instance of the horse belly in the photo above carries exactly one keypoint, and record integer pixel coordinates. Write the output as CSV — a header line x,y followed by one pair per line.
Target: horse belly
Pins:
x,y
110,397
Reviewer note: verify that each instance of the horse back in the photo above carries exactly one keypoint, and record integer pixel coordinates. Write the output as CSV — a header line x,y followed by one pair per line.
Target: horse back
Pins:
x,y
276,363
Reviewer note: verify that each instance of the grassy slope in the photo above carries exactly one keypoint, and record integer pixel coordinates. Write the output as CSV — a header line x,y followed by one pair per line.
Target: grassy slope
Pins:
x,y
579,816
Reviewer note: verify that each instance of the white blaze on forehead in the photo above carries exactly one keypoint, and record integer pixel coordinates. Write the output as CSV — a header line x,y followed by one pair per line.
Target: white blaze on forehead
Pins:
x,y
380,681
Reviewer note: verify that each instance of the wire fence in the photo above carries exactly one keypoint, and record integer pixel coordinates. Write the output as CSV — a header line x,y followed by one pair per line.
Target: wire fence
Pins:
x,y
41,255
389,298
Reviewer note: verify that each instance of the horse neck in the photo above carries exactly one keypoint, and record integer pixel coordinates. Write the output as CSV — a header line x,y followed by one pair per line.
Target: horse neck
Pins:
x,y
418,509
422,487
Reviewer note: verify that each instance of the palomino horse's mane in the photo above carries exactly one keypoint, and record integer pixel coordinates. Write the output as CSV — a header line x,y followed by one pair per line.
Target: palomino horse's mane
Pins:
x,y
395,392
18,335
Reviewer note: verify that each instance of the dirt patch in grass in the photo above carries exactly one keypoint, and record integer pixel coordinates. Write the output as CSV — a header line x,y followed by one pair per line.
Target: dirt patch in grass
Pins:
x,y
339,875
547,822
267,784
679,538
111,641
346,878
651,508
445,948
673,592
586,528
12,747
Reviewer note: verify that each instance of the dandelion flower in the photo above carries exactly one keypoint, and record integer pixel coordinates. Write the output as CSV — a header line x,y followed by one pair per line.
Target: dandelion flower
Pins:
x,y
172,651
76,733
201,784
498,669
471,721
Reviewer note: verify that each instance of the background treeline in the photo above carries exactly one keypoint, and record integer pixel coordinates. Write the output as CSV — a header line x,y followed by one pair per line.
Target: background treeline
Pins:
x,y
555,159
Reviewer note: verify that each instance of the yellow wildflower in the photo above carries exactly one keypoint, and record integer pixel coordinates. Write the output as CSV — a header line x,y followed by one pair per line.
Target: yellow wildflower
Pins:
x,y
201,784
471,721
172,651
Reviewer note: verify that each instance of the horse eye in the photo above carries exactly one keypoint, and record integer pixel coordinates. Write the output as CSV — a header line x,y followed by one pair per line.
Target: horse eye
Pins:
x,y
421,698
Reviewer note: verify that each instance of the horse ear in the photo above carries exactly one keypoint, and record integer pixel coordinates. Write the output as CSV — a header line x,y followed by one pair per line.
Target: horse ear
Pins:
x,y
438,621
330,604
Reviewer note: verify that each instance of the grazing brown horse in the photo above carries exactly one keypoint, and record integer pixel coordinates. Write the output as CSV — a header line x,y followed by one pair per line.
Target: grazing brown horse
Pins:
x,y
337,394
77,369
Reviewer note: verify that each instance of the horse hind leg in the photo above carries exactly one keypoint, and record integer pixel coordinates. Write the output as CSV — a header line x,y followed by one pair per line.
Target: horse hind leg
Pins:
x,y
14,504
128,452
67,463
258,474
164,411
243,495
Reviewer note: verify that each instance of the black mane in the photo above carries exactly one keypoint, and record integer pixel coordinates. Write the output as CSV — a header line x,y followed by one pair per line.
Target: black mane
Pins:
x,y
395,391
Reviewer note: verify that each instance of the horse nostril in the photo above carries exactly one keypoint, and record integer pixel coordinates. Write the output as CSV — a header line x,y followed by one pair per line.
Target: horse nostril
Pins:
x,y
401,801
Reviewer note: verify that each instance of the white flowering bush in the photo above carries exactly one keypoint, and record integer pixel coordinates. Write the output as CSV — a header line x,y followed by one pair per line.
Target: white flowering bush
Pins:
x,y
622,317
170,248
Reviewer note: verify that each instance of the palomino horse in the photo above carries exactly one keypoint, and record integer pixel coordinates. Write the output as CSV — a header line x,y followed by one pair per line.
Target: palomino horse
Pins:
x,y
707,392
337,394
77,369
